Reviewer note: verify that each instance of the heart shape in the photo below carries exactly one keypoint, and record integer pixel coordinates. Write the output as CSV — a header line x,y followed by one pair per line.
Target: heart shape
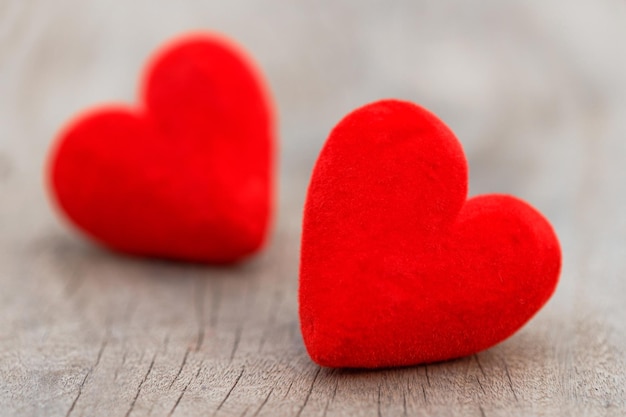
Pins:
x,y
188,174
397,268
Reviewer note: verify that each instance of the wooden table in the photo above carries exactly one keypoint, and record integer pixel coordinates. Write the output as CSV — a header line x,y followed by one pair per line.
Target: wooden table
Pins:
x,y
536,91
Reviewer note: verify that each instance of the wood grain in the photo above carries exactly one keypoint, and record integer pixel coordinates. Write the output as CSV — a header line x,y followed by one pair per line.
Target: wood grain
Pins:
x,y
536,91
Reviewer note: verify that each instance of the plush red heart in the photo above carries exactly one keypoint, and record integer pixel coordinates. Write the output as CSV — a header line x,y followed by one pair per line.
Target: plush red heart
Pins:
x,y
189,173
397,267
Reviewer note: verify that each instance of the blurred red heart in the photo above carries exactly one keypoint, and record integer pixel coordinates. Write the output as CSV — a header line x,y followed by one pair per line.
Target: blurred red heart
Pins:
x,y
186,175
397,268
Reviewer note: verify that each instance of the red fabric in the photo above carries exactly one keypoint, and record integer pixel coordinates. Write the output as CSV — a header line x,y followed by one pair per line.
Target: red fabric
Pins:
x,y
397,268
188,174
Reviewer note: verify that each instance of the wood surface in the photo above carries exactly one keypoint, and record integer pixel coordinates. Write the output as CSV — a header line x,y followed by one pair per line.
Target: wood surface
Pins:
x,y
536,92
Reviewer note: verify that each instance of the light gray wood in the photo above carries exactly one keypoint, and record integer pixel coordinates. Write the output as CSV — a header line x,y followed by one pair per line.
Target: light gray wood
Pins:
x,y
536,91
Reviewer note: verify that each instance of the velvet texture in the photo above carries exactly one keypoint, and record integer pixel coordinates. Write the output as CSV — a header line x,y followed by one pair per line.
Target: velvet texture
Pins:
x,y
397,267
188,174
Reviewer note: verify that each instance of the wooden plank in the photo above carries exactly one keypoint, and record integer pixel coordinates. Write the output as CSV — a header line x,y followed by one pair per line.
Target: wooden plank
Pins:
x,y
537,94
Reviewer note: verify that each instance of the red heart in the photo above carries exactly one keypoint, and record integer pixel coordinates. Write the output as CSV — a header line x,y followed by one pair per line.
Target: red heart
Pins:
x,y
188,174
397,268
